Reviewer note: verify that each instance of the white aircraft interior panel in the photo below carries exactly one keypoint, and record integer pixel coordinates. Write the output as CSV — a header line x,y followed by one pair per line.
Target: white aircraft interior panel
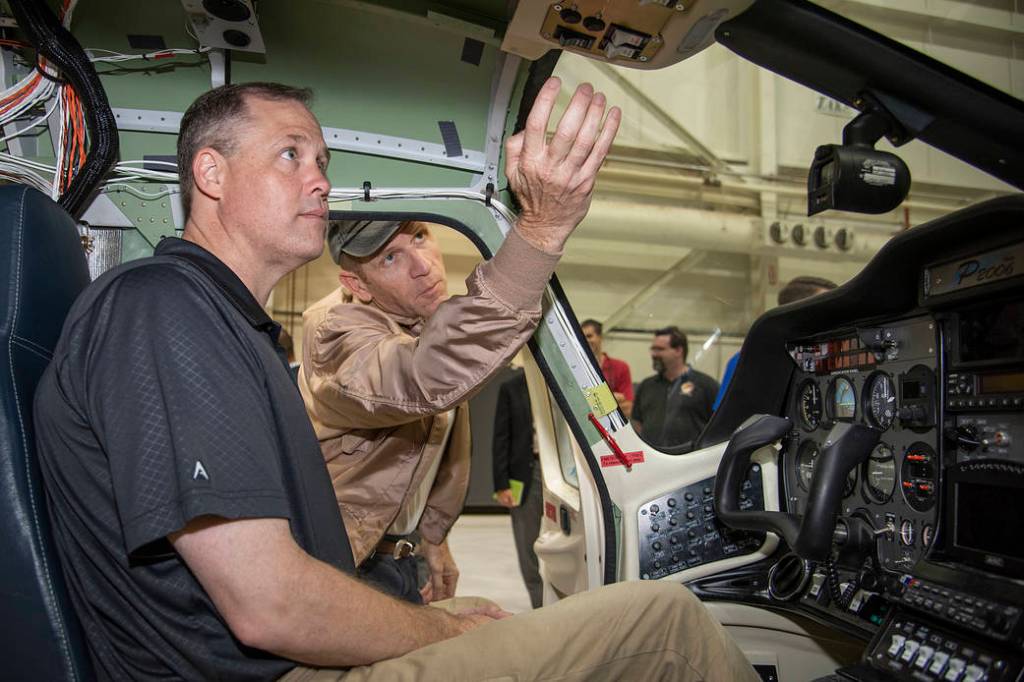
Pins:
x,y
669,526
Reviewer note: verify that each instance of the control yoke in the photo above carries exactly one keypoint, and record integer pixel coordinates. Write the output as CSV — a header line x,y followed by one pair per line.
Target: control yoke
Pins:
x,y
810,536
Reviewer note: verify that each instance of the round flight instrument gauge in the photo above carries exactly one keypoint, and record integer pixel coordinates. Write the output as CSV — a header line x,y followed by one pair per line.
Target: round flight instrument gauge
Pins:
x,y
880,474
927,535
907,534
879,400
842,400
809,405
806,458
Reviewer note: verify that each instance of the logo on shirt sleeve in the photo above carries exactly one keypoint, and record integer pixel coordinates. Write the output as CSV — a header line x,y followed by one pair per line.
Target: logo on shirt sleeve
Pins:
x,y
199,472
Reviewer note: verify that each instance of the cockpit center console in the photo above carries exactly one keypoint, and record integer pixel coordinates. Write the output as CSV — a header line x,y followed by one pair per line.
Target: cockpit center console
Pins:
x,y
928,551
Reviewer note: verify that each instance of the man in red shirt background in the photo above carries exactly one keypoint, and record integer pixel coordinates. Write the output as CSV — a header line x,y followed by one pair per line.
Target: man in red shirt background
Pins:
x,y
616,372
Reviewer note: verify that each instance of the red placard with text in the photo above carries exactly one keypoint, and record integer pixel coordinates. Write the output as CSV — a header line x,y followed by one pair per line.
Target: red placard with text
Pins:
x,y
613,461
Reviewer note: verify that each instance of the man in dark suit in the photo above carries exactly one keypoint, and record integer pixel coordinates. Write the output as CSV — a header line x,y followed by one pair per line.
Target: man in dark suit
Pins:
x,y
515,457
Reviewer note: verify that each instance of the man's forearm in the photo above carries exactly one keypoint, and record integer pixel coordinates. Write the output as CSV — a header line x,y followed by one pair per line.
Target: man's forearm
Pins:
x,y
334,620
276,597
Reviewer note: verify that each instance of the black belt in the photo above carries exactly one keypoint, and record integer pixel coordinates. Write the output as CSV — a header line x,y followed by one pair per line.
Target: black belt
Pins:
x,y
396,546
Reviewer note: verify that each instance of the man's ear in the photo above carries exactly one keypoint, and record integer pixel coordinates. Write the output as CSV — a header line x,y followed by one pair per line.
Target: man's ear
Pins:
x,y
209,168
355,284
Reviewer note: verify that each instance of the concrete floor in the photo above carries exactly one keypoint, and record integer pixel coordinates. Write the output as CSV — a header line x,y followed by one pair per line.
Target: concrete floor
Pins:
x,y
485,553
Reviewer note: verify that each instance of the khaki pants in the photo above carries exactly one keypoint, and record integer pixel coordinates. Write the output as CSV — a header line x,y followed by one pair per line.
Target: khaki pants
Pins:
x,y
627,631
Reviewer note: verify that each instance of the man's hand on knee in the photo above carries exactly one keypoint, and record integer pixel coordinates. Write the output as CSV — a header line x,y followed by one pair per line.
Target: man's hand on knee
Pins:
x,y
554,180
472,618
492,611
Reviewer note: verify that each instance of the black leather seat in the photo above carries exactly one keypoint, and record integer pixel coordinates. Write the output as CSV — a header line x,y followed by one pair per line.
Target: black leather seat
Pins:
x,y
43,269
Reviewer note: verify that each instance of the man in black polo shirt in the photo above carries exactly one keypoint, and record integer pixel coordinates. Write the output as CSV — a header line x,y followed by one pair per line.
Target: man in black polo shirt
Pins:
x,y
194,517
673,406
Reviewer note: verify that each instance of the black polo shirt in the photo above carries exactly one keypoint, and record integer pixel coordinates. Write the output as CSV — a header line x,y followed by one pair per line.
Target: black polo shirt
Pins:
x,y
168,399
674,412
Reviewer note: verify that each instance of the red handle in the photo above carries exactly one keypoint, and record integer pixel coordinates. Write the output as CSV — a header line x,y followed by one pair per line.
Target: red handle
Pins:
x,y
619,454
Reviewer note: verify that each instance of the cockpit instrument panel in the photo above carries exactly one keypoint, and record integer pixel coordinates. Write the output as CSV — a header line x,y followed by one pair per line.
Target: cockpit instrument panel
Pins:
x,y
885,378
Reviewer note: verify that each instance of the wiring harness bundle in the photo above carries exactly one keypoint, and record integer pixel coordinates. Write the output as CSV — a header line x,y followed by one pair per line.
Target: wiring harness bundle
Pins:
x,y
87,146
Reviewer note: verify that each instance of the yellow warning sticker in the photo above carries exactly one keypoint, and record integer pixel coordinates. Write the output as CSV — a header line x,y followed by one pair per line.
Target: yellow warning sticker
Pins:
x,y
600,399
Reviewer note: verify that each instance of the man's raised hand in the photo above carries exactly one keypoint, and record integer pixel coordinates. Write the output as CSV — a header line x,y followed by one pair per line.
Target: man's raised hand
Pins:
x,y
554,180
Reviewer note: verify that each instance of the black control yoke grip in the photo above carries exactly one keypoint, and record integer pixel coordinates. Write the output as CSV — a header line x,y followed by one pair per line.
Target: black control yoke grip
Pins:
x,y
810,537
846,447
732,472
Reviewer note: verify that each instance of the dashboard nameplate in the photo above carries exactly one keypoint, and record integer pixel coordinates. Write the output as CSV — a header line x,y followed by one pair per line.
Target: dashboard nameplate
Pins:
x,y
965,273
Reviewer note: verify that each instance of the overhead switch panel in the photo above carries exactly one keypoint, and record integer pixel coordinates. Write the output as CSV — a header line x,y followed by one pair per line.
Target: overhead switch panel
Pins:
x,y
624,44
642,34
567,37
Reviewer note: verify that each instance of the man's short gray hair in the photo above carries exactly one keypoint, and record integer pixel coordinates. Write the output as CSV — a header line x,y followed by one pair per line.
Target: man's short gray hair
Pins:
x,y
212,121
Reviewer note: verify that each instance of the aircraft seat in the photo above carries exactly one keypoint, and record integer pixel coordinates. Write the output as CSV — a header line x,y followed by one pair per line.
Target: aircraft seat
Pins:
x,y
42,261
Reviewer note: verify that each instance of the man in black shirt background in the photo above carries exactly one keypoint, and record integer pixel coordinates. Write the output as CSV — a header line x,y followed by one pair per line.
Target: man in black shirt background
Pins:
x,y
672,406
193,514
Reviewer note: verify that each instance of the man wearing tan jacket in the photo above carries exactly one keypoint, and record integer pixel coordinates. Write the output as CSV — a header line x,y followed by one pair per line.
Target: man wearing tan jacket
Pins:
x,y
385,378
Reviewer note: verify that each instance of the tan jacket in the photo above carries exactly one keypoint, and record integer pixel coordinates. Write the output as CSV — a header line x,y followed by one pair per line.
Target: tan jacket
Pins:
x,y
377,388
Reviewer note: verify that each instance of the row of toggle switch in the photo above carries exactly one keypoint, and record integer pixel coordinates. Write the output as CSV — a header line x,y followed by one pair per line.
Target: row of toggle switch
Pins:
x,y
924,657
913,650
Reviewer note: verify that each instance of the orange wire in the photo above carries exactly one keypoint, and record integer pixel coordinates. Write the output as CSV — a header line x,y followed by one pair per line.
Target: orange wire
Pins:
x,y
18,96
76,135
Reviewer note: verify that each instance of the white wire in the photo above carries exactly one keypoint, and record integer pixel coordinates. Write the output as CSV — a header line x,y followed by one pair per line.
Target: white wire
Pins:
x,y
67,15
117,57
59,149
14,168
41,92
353,194
172,164
190,32
358,194
131,189
38,121
32,95
32,165
27,178
20,168
141,174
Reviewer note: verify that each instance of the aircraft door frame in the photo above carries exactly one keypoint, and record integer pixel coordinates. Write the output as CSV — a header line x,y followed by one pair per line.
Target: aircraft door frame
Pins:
x,y
567,541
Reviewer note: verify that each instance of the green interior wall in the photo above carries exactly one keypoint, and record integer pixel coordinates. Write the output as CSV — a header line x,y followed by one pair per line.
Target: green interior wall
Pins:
x,y
384,71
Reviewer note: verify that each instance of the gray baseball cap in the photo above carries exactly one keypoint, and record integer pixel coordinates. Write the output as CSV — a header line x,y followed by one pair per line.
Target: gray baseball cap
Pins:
x,y
359,238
